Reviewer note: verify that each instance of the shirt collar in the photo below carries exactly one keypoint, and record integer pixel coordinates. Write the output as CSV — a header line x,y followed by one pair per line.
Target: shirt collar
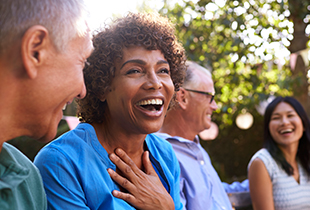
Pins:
x,y
178,138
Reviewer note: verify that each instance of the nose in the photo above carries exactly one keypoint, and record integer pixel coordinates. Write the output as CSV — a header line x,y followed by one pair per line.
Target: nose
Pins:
x,y
285,120
83,92
214,105
152,81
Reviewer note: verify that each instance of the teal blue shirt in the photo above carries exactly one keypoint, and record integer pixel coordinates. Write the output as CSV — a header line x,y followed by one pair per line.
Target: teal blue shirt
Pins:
x,y
74,171
21,186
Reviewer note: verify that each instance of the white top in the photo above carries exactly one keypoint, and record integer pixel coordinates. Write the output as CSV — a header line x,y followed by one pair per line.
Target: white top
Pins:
x,y
288,194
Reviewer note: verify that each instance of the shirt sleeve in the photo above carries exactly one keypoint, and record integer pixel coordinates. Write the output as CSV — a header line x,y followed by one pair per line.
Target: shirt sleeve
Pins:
x,y
60,180
236,186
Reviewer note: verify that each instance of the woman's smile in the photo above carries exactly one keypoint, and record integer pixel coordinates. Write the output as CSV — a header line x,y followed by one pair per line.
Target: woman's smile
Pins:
x,y
152,107
141,90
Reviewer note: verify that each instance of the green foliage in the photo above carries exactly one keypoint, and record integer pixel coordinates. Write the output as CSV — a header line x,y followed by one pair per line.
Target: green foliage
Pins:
x,y
241,40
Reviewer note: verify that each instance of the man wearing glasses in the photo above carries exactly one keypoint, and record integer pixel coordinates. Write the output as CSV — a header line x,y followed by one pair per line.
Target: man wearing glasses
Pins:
x,y
200,185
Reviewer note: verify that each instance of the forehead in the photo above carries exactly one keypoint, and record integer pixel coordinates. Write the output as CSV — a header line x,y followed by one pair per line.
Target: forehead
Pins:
x,y
138,52
139,56
204,81
283,107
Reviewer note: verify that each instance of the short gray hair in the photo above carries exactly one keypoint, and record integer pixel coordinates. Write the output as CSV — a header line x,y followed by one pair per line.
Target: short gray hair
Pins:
x,y
64,20
191,78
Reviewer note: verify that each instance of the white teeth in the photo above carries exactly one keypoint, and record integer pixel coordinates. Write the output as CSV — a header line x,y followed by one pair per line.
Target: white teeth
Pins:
x,y
151,102
159,101
64,107
286,131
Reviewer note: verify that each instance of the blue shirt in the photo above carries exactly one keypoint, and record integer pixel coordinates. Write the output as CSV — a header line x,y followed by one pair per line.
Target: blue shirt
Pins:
x,y
200,185
74,171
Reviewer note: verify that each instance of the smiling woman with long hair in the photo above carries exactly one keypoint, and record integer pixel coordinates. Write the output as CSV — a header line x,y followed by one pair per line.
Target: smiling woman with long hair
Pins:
x,y
111,160
279,174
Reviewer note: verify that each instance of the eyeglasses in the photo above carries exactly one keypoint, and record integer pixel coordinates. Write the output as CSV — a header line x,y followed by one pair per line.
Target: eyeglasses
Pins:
x,y
202,92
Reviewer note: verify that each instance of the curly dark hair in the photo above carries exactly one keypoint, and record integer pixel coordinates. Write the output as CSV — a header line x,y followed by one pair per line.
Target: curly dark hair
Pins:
x,y
148,30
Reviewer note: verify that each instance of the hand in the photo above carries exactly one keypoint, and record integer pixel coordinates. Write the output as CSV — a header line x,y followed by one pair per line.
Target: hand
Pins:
x,y
145,190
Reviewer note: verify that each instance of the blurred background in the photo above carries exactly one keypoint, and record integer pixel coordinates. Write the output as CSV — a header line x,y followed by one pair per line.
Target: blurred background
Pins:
x,y
257,49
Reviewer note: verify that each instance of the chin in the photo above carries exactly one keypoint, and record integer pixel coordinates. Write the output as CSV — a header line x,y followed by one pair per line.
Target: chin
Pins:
x,y
47,137
151,129
47,134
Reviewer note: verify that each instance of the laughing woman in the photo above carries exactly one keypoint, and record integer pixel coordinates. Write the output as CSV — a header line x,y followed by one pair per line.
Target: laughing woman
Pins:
x,y
279,174
111,160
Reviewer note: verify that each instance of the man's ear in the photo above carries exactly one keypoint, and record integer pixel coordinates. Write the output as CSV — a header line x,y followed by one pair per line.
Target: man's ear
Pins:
x,y
33,49
181,98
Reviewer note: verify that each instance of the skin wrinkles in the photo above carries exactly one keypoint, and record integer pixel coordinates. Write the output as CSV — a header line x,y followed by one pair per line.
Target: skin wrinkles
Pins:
x,y
141,75
137,61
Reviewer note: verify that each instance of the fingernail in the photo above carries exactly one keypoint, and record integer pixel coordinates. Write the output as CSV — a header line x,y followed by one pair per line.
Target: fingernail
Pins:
x,y
115,193
119,151
110,171
112,156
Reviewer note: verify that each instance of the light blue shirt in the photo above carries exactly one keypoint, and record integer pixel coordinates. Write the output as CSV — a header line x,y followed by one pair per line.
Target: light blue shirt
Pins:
x,y
74,171
200,185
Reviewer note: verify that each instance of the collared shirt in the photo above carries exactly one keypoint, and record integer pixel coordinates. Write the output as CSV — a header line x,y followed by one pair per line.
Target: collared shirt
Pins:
x,y
74,171
21,186
200,185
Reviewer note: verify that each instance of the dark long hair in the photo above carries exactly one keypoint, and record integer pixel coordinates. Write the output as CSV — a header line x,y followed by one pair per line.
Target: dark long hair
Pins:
x,y
303,153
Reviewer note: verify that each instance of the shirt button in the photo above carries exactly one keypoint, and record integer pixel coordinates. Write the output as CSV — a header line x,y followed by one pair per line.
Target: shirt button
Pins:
x,y
202,162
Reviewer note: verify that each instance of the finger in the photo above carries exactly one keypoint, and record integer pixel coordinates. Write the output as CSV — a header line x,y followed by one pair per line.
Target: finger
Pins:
x,y
148,167
124,196
124,168
123,182
127,161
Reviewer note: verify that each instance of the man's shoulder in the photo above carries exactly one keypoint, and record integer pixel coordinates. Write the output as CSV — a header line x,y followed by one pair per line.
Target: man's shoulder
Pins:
x,y
9,152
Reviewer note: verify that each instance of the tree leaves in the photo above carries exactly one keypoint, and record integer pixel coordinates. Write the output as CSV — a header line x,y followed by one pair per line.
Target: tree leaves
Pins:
x,y
243,42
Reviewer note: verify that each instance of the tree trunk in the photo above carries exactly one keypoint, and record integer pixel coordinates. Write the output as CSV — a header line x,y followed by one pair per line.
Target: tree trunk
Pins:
x,y
299,43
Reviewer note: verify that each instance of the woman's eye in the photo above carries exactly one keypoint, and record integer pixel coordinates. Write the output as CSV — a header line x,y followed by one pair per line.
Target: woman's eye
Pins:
x,y
165,71
133,71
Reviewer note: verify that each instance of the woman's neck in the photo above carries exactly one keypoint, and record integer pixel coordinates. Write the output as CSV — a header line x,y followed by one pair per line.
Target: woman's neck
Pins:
x,y
110,139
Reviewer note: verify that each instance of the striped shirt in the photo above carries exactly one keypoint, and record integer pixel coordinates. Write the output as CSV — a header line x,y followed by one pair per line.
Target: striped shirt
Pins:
x,y
288,194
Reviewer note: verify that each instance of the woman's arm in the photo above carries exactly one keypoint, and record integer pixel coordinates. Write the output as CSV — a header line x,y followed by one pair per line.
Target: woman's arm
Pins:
x,y
260,186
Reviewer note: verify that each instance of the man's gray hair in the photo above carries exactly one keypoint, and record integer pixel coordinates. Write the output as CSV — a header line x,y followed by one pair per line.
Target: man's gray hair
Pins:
x,y
191,78
64,20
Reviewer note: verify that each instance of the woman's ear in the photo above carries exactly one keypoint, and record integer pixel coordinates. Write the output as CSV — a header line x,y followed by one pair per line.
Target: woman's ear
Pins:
x,y
103,96
33,49
102,99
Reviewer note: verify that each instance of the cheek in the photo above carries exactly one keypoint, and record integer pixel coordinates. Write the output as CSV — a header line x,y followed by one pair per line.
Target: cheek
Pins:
x,y
300,127
272,130
170,88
